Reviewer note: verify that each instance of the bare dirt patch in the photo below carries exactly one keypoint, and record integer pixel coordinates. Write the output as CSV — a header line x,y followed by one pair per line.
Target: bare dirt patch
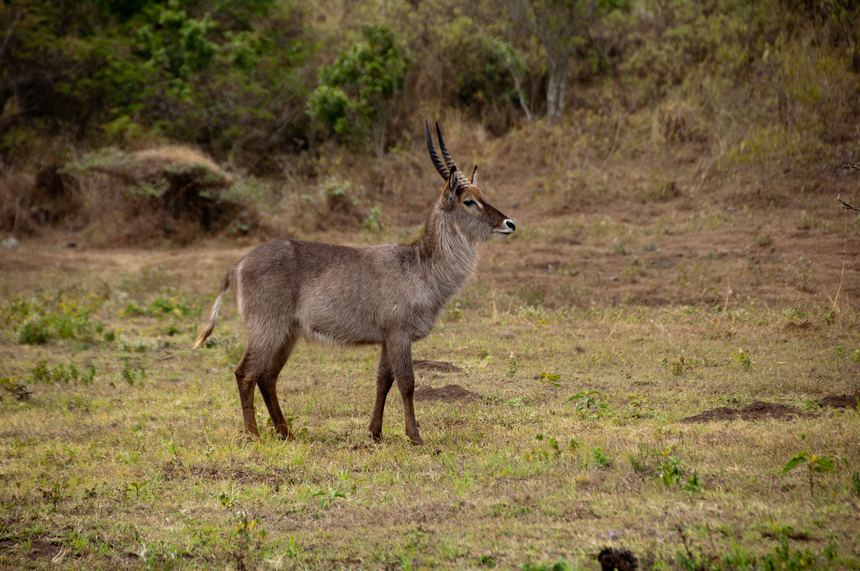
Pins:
x,y
438,366
841,401
274,477
448,393
758,410
38,548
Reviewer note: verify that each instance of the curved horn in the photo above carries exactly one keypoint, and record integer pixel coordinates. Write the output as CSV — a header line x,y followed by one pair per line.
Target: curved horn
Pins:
x,y
447,156
433,156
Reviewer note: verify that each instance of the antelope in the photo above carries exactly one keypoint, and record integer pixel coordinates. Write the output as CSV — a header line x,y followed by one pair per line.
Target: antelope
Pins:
x,y
389,295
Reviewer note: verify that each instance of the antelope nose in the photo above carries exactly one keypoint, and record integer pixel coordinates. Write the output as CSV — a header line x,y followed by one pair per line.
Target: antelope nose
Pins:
x,y
510,224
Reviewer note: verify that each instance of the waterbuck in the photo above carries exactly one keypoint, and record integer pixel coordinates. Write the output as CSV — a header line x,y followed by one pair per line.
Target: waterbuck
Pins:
x,y
389,295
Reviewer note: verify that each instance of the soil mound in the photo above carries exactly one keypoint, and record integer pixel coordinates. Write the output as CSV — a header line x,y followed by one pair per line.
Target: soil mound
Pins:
x,y
758,410
448,393
118,197
612,559
841,401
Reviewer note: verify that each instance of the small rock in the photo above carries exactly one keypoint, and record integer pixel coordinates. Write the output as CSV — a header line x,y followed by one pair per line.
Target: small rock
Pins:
x,y
10,243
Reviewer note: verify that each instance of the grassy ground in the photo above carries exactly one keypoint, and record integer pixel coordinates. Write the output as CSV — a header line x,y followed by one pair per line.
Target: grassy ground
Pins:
x,y
583,344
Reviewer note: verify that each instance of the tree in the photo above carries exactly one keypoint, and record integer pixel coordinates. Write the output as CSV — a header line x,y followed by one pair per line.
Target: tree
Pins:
x,y
562,27
355,93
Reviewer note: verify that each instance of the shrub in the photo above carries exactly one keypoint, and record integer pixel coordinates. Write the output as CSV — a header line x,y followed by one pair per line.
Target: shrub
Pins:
x,y
172,192
41,320
357,91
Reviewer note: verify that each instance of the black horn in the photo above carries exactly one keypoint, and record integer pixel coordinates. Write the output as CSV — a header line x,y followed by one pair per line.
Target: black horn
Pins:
x,y
448,160
440,168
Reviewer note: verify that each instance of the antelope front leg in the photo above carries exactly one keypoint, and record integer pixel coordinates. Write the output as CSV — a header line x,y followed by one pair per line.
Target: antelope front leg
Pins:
x,y
399,351
384,380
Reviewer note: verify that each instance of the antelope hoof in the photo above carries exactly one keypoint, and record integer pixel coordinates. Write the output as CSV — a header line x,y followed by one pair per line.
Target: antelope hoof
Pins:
x,y
375,436
416,440
287,435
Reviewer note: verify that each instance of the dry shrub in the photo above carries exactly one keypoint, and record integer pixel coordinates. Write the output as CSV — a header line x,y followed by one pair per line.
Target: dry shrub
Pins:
x,y
28,202
675,122
167,193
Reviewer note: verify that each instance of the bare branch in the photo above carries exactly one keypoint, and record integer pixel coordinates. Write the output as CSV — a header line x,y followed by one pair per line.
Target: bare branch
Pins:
x,y
10,32
847,206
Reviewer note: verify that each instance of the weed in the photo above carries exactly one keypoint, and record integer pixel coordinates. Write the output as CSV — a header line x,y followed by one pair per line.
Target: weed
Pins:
x,y
815,464
132,373
549,378
600,457
677,367
855,483
294,548
327,496
512,364
62,317
373,222
246,539
783,556
588,403
455,311
69,373
162,306
670,471
744,359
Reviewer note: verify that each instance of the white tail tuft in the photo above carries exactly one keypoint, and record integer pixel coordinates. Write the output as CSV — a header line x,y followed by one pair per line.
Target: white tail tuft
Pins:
x,y
210,326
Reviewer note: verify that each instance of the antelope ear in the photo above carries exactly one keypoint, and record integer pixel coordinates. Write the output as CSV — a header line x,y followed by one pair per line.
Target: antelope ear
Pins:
x,y
475,176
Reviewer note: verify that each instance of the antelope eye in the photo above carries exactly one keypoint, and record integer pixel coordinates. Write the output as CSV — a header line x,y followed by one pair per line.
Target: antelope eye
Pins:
x,y
470,202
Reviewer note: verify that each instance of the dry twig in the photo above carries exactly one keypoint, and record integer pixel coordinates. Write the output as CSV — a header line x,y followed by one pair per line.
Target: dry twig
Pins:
x,y
847,206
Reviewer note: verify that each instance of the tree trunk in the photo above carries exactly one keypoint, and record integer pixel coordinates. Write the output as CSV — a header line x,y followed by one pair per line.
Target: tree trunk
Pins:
x,y
522,96
555,91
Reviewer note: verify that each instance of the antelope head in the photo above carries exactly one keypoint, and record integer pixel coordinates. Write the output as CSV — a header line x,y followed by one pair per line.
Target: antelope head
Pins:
x,y
462,201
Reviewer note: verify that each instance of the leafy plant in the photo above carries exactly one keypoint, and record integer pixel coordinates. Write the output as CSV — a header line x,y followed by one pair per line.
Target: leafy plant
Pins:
x,y
328,496
673,473
744,359
63,373
132,373
162,306
512,364
587,402
373,222
356,92
816,464
65,316
600,457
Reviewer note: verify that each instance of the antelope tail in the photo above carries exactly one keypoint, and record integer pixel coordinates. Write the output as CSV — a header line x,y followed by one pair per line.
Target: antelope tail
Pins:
x,y
206,331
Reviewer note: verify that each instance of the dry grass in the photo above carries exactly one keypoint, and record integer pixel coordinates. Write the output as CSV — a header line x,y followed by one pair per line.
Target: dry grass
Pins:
x,y
580,367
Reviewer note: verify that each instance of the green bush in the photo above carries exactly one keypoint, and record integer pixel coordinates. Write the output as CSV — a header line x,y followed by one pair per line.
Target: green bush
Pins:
x,y
356,93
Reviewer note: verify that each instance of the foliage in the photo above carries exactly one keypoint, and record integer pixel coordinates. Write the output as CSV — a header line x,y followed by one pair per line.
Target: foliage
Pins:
x,y
816,464
42,319
356,92
62,373
162,306
127,71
